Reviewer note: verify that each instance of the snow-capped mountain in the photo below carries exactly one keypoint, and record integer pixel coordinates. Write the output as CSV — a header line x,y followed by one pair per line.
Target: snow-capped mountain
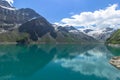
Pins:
x,y
100,34
10,2
10,17
25,20
6,4
75,33
68,28
72,29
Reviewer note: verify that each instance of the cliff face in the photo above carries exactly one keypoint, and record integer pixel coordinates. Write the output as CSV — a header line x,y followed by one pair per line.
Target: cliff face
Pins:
x,y
5,4
11,17
37,28
16,16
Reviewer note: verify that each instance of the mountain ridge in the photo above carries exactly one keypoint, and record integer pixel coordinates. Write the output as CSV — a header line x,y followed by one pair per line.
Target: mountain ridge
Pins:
x,y
42,31
100,34
25,26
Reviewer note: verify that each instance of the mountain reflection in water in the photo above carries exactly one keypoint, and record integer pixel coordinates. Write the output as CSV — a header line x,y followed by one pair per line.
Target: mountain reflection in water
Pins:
x,y
35,62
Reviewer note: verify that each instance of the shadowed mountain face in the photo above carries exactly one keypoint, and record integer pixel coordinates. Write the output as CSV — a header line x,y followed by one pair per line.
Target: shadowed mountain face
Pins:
x,y
37,28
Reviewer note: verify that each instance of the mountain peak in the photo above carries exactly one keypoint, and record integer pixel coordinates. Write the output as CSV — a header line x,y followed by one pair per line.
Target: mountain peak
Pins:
x,y
10,2
6,3
37,28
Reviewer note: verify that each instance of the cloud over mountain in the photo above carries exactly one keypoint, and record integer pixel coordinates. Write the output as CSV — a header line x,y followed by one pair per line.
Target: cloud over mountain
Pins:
x,y
109,16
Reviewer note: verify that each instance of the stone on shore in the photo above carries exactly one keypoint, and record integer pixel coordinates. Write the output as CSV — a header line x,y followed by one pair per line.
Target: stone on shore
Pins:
x,y
115,61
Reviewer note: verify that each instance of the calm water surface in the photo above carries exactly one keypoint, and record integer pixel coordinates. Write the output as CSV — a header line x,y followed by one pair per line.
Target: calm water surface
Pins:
x,y
58,62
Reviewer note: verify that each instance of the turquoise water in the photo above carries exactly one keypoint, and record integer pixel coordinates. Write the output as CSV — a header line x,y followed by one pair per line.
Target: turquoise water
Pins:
x,y
57,62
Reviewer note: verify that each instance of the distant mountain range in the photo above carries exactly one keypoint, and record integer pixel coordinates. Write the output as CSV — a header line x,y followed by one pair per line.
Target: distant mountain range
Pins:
x,y
41,30
25,26
100,34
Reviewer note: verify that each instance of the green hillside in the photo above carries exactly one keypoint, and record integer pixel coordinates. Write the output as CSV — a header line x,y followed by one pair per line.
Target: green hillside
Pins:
x,y
115,38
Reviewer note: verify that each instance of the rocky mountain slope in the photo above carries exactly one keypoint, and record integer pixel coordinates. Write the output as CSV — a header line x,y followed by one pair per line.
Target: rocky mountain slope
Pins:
x,y
11,17
4,3
37,28
25,25
99,34
41,30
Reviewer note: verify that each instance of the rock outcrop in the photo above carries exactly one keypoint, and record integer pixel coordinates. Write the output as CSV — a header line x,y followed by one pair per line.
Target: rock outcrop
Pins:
x,y
115,61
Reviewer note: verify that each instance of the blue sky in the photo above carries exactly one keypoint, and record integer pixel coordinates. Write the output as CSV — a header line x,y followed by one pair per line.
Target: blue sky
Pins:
x,y
56,10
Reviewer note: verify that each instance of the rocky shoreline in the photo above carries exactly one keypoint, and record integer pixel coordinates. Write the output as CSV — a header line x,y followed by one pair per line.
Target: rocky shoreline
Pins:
x,y
114,45
115,61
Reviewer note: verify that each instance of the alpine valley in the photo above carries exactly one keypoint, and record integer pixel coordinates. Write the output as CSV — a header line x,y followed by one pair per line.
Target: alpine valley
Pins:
x,y
62,45
27,26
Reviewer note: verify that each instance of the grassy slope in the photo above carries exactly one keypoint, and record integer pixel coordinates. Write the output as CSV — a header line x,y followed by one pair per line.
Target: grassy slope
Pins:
x,y
115,38
12,36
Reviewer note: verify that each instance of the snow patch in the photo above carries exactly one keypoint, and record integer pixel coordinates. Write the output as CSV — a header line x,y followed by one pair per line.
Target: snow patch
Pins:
x,y
10,1
7,8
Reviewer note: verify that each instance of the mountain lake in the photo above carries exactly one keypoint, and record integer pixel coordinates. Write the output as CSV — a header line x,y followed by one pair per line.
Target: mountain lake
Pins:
x,y
58,62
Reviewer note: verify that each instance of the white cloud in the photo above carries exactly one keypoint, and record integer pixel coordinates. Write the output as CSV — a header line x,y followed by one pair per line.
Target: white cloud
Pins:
x,y
109,16
10,1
